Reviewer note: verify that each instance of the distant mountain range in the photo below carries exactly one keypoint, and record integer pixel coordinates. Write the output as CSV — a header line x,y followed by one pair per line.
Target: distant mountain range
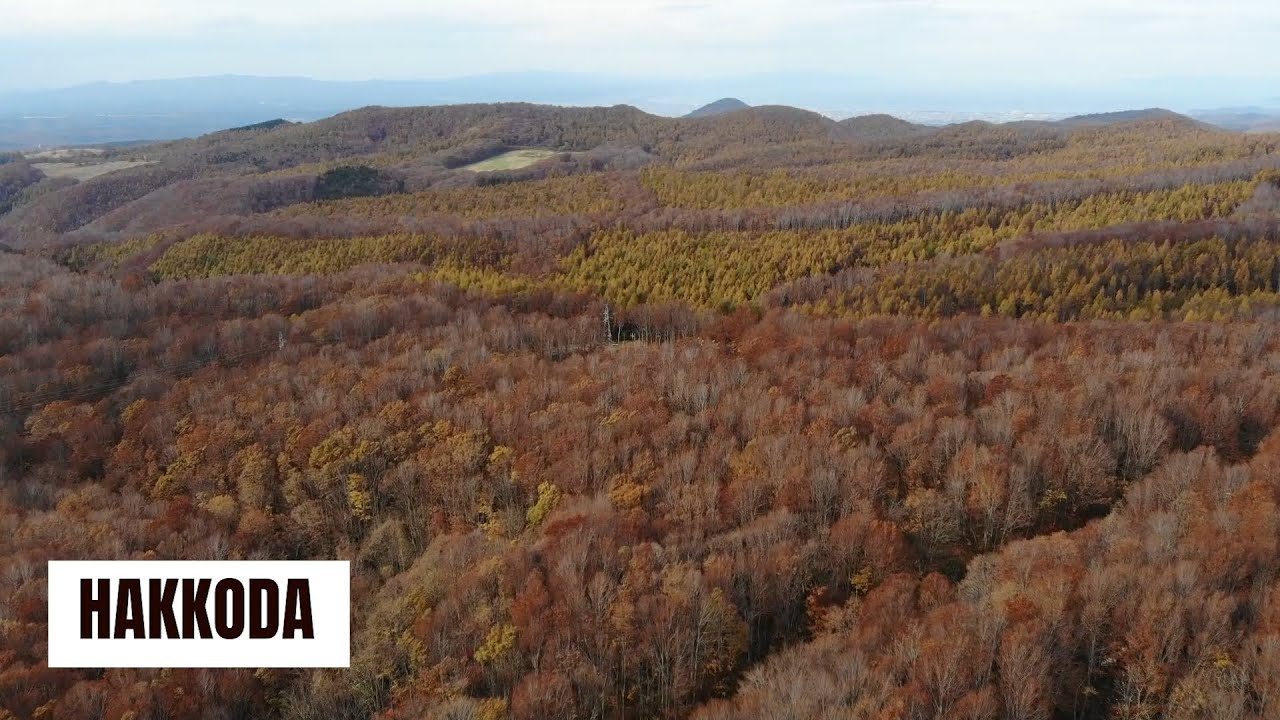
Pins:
x,y
187,107
102,113
881,126
1244,119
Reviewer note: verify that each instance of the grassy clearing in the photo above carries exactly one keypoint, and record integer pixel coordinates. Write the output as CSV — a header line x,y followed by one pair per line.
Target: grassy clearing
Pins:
x,y
513,160
84,171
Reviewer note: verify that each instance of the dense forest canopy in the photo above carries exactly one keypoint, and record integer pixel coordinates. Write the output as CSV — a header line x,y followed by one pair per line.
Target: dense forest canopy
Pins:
x,y
754,415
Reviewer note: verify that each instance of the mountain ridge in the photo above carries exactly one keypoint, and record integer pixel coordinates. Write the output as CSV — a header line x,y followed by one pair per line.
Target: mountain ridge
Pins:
x,y
257,167
174,108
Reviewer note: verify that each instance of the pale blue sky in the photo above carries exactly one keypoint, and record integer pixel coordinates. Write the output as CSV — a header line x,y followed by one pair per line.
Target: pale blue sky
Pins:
x,y
952,46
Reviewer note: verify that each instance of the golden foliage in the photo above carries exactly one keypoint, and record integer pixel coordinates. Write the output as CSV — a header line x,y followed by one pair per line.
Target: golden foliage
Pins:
x,y
211,255
1118,280
572,195
548,498
499,643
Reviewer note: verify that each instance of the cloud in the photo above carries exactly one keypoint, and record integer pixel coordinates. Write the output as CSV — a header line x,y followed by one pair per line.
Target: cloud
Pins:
x,y
149,16
944,43
611,17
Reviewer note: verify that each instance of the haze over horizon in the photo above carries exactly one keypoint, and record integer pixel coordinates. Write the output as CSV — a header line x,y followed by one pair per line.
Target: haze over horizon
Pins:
x,y
888,54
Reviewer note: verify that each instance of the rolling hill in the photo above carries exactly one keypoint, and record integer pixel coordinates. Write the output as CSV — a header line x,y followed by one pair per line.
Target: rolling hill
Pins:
x,y
719,107
881,127
1127,116
266,165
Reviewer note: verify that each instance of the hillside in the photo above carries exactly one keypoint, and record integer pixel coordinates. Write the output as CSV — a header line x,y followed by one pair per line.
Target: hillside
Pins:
x,y
623,416
880,127
1127,116
719,107
417,148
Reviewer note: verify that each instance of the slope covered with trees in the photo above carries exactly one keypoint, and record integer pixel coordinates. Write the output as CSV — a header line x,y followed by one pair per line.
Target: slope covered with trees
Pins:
x,y
737,417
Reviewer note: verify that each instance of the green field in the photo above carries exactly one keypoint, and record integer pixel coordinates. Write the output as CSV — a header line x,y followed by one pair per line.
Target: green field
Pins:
x,y
513,160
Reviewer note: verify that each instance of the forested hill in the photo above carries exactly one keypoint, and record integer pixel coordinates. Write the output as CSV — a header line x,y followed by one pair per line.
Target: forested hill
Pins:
x,y
719,107
261,167
1130,116
881,127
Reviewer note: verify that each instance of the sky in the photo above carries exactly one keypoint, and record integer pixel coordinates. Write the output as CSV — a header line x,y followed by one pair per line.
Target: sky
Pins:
x,y
1190,50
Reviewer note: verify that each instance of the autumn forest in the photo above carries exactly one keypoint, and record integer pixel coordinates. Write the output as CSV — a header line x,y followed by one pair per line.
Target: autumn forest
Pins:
x,y
756,415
